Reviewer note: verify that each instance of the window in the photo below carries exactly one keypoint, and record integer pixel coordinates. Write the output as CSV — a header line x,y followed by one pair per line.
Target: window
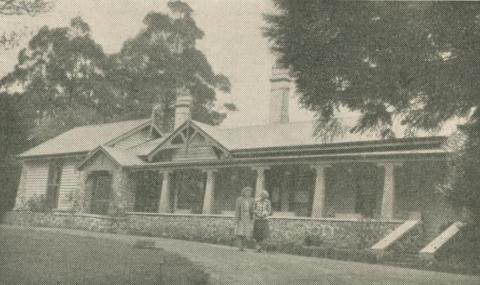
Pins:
x,y
147,193
53,184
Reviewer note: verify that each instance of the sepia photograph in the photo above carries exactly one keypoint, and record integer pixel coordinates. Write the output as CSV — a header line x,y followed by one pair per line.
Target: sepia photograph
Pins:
x,y
239,142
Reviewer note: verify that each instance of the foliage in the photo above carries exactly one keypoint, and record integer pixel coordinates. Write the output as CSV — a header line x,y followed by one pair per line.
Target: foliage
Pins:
x,y
21,7
465,170
38,204
162,58
9,39
61,70
12,141
415,60
462,189
464,247
65,79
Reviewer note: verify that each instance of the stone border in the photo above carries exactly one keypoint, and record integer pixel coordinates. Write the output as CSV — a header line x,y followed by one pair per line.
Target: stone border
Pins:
x,y
217,229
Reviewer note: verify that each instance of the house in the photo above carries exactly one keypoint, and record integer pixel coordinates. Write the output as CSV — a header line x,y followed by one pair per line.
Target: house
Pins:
x,y
198,170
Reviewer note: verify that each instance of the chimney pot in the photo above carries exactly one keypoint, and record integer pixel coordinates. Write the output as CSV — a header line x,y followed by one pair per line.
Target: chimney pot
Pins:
x,y
183,106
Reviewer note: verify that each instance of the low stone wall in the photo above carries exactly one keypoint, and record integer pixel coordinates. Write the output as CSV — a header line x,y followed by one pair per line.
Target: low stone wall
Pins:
x,y
88,222
204,228
341,233
216,228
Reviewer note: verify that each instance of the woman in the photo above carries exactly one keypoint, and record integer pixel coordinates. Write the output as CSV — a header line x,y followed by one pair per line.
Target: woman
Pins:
x,y
244,217
261,230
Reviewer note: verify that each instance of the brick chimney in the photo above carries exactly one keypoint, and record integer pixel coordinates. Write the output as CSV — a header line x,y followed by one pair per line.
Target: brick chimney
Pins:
x,y
279,95
182,106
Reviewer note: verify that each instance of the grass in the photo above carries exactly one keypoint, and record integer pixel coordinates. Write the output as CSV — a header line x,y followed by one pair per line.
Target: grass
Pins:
x,y
28,257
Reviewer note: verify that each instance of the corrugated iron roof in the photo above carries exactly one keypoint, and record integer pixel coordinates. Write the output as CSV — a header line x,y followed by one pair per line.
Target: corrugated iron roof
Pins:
x,y
145,148
302,133
83,139
123,157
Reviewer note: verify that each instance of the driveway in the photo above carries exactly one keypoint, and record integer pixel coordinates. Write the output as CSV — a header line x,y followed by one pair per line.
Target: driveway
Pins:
x,y
229,266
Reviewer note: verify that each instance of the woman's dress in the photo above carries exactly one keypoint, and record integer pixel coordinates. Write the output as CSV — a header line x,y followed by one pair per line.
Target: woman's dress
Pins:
x,y
261,229
244,217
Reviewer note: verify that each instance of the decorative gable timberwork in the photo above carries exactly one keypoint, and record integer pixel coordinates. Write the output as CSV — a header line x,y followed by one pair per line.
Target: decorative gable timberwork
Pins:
x,y
188,142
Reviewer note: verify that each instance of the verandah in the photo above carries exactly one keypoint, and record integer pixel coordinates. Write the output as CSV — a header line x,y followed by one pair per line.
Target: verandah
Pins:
x,y
341,190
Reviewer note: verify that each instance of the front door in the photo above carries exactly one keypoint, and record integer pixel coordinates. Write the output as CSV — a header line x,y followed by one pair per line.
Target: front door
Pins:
x,y
101,193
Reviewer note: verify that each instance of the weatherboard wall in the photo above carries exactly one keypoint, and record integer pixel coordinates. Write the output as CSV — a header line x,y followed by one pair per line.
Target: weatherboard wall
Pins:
x,y
36,178
68,184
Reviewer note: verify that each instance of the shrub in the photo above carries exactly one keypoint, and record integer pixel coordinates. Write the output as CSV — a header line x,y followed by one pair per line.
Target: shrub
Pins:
x,y
463,249
313,240
38,204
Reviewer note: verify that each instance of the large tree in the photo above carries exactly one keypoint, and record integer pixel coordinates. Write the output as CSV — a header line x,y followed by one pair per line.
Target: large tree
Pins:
x,y
12,141
62,80
12,129
418,60
161,60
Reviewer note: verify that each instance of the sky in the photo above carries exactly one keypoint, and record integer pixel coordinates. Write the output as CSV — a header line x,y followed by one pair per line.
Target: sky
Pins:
x,y
233,43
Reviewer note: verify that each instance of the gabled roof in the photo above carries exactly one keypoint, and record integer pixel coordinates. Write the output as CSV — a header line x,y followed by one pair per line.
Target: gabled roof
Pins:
x,y
84,139
118,156
204,131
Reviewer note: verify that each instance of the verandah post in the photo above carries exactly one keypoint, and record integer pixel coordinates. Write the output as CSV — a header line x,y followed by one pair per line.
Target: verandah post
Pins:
x,y
318,203
260,184
388,197
209,191
164,204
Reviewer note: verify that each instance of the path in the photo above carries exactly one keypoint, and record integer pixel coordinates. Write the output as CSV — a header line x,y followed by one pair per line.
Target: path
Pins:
x,y
228,266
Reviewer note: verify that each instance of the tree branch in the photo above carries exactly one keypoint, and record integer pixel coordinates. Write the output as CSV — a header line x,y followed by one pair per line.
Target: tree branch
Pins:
x,y
24,7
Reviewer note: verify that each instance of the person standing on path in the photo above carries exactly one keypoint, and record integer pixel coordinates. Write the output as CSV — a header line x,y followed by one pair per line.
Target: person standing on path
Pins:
x,y
261,229
244,217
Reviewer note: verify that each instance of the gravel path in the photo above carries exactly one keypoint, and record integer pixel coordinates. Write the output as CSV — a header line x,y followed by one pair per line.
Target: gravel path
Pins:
x,y
229,266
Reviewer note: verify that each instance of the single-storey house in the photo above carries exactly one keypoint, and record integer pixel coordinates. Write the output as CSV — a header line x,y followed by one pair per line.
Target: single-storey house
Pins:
x,y
199,170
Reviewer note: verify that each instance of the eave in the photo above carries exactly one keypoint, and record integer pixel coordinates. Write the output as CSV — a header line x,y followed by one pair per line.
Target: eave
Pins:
x,y
434,154
349,147
53,156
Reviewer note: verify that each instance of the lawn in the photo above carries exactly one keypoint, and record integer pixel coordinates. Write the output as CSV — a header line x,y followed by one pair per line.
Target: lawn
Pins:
x,y
28,257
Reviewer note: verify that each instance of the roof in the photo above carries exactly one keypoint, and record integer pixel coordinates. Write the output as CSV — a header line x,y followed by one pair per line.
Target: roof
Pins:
x,y
83,139
301,134
247,139
145,148
119,156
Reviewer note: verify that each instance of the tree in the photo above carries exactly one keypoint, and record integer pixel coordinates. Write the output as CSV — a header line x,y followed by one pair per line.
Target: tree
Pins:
x,y
415,59
413,62
162,59
12,129
62,71
18,8
22,7
12,141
